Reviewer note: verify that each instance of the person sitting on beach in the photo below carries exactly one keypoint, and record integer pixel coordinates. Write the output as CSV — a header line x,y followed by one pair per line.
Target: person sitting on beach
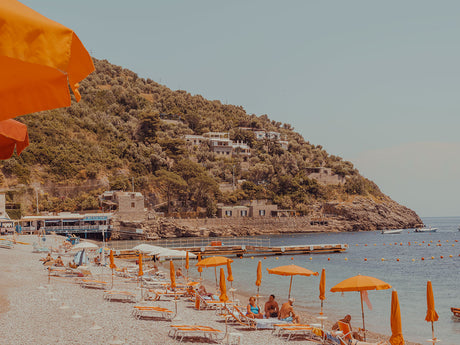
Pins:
x,y
202,291
271,307
73,264
347,320
254,311
287,312
155,268
59,262
179,273
48,258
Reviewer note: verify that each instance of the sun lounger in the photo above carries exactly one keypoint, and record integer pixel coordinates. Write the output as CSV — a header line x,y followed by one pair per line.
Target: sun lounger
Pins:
x,y
6,244
295,330
152,312
157,294
119,296
93,284
193,331
239,317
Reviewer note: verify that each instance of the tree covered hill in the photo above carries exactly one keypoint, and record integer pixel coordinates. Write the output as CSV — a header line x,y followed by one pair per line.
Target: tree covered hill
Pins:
x,y
114,138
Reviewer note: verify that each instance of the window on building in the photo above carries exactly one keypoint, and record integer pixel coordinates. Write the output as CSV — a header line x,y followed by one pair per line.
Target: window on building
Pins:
x,y
244,213
228,213
133,205
261,212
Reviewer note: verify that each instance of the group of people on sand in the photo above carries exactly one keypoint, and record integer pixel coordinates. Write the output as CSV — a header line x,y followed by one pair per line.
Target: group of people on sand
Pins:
x,y
272,310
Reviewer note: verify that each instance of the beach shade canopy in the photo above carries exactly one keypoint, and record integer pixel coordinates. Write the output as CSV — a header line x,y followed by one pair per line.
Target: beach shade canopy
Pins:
x,y
40,59
148,249
200,269
187,265
172,274
80,258
174,254
322,288
112,261
362,284
395,321
13,134
291,270
213,261
229,271
223,287
85,245
431,314
259,274
141,271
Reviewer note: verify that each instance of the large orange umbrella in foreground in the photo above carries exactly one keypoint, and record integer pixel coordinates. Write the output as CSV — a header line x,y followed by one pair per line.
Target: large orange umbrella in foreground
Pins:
x,y
431,314
362,284
223,287
13,134
213,261
395,320
291,270
40,59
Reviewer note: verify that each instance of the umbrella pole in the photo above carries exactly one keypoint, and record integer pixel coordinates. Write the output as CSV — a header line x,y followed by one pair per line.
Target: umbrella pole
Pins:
x,y
112,279
290,284
321,313
362,312
432,333
215,274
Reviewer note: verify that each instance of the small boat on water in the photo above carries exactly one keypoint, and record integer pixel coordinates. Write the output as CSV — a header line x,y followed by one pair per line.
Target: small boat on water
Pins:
x,y
396,231
425,229
456,312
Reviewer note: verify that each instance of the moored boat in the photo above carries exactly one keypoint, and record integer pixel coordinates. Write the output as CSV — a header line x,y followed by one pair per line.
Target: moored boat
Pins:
x,y
395,231
425,229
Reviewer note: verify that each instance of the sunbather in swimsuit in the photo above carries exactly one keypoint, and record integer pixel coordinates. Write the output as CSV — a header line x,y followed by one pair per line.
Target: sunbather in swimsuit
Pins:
x,y
253,310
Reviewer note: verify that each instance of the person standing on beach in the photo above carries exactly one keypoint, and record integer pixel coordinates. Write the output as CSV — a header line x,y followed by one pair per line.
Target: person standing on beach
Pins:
x,y
287,312
271,307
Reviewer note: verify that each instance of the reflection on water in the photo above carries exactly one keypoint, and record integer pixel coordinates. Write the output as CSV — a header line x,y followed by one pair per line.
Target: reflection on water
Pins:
x,y
408,276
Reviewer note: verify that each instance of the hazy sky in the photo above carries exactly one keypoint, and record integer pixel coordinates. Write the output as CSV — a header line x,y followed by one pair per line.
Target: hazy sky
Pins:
x,y
376,83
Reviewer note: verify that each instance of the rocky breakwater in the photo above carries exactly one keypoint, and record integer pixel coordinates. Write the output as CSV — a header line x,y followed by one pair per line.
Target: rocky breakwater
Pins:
x,y
370,214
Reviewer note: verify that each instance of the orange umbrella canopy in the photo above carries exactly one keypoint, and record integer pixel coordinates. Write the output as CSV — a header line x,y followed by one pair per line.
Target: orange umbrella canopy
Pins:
x,y
40,59
141,272
200,269
395,320
12,134
223,287
259,274
431,314
322,285
360,283
291,270
172,274
112,261
229,271
213,261
187,266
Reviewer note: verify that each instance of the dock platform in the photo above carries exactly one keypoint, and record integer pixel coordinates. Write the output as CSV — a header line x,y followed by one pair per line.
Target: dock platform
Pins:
x,y
245,250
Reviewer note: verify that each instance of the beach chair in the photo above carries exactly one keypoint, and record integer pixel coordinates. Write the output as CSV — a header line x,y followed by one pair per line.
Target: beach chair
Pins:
x,y
295,330
152,312
119,296
194,331
239,317
93,284
345,334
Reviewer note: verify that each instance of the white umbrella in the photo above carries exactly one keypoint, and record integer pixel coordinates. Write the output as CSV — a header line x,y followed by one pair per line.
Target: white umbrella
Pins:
x,y
148,249
176,254
85,245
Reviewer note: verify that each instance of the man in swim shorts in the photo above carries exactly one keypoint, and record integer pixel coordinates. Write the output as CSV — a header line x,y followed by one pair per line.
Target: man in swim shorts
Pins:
x,y
287,312
271,307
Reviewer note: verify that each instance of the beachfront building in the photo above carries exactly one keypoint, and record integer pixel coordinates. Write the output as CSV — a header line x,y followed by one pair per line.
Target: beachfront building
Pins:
x,y
220,144
252,209
124,203
6,224
93,225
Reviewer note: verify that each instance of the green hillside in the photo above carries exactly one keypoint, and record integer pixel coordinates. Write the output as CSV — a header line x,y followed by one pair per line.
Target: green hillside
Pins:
x,y
114,137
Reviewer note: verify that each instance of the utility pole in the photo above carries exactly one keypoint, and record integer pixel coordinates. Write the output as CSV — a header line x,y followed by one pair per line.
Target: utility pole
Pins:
x,y
36,197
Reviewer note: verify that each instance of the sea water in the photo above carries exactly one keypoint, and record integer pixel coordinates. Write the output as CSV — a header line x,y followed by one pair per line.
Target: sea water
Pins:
x,y
389,257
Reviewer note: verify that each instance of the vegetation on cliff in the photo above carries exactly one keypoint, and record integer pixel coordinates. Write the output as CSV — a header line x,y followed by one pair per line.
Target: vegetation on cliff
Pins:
x,y
114,139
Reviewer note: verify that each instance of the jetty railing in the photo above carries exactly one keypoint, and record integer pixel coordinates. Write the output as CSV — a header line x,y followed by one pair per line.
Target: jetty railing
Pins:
x,y
194,242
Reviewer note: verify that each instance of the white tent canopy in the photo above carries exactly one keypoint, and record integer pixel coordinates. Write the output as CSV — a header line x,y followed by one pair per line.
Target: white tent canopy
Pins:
x,y
85,245
175,254
148,249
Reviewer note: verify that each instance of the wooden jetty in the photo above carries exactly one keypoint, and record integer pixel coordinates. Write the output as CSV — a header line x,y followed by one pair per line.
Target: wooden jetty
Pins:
x,y
245,250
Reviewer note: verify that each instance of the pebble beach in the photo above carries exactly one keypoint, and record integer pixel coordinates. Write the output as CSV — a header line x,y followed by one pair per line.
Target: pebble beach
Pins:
x,y
36,309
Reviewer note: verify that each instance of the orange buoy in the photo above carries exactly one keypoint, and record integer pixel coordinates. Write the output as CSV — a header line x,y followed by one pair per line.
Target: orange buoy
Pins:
x,y
423,259
397,260
365,259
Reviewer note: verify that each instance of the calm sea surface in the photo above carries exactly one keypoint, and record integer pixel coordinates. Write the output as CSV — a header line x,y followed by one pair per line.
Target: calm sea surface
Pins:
x,y
408,276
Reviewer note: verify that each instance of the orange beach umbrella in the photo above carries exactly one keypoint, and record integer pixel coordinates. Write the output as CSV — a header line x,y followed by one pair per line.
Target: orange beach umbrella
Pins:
x,y
431,314
141,272
172,274
322,288
361,283
13,134
229,271
291,270
187,266
112,263
395,320
213,261
223,287
200,269
40,59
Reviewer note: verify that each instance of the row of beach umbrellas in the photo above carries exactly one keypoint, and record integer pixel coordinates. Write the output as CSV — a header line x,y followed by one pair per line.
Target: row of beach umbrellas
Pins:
x,y
358,283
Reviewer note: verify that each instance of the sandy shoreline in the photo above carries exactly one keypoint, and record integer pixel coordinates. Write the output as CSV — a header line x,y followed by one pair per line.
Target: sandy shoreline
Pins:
x,y
30,309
